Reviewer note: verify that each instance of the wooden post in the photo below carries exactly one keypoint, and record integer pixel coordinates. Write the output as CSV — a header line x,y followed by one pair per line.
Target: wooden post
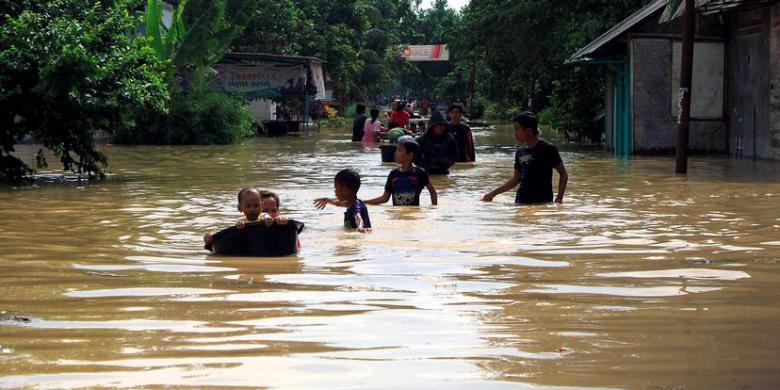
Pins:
x,y
686,75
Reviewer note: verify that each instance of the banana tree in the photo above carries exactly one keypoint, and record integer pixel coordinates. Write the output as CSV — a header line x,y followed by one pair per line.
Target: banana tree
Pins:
x,y
191,50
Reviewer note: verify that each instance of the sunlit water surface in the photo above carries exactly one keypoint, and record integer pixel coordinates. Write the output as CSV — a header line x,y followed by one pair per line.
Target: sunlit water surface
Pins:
x,y
641,279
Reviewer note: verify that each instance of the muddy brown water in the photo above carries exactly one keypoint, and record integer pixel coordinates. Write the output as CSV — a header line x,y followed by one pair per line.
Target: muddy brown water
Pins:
x,y
642,279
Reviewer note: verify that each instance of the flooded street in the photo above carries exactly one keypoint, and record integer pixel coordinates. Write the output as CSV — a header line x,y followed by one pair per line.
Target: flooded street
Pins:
x,y
640,279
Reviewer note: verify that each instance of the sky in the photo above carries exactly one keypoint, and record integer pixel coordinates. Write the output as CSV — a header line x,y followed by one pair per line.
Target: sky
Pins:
x,y
456,4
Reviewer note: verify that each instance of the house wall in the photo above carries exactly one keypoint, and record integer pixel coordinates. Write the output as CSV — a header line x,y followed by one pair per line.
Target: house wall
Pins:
x,y
654,125
753,70
774,86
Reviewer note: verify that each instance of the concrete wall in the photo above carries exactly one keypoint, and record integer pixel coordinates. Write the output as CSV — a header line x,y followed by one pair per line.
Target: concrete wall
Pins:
x,y
654,125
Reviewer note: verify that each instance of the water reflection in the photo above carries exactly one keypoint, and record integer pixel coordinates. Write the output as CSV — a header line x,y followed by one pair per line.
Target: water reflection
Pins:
x,y
642,278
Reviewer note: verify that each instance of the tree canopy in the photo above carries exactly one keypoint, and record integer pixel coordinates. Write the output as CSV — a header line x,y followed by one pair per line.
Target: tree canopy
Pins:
x,y
67,69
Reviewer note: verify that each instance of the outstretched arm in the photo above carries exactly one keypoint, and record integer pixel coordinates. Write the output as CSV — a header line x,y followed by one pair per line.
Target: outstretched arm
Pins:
x,y
511,183
379,199
562,181
320,203
434,195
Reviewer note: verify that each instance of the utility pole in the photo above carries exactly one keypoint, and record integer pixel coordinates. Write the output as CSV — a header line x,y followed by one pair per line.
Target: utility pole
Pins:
x,y
686,75
471,82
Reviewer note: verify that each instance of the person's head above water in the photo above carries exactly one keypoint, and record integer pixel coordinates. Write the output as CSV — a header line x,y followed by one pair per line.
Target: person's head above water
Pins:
x,y
406,151
455,112
346,184
270,203
526,126
250,202
437,124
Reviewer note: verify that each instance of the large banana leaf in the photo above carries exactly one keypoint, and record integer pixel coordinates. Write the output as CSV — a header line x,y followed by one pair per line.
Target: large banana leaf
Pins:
x,y
200,36
210,36
153,19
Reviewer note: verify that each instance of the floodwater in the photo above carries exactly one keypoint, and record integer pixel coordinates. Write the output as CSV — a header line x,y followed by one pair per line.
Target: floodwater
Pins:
x,y
641,279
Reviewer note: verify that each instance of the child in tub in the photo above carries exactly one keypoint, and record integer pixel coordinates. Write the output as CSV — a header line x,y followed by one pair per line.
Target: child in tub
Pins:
x,y
256,205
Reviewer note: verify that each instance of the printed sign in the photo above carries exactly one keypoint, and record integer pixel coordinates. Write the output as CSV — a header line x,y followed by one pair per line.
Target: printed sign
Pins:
x,y
269,80
426,53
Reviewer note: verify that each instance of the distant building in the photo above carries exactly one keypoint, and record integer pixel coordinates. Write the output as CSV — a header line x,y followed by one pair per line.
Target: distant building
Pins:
x,y
735,105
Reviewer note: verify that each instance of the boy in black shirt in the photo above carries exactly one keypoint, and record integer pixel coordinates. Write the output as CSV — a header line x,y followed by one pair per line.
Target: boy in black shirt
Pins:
x,y
406,182
346,185
534,163
462,134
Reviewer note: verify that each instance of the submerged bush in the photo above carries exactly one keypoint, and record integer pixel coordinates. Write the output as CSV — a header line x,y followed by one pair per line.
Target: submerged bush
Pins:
x,y
201,117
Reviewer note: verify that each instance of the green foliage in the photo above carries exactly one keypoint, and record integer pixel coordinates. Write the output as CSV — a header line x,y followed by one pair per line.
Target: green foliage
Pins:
x,y
69,68
521,46
577,102
338,122
164,41
196,114
205,41
200,117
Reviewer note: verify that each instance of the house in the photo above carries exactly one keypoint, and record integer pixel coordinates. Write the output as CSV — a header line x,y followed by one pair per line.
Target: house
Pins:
x,y
735,106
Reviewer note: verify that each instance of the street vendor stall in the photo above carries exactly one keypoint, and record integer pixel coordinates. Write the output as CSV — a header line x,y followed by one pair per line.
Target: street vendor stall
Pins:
x,y
268,80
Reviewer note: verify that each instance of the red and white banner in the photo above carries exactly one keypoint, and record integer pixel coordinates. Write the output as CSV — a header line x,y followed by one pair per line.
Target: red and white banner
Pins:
x,y
426,53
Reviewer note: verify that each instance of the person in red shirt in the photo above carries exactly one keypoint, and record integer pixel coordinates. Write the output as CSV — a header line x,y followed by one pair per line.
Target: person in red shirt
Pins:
x,y
399,117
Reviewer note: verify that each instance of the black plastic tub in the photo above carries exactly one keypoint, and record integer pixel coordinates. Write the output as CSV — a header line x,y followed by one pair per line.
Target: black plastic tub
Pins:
x,y
257,240
388,153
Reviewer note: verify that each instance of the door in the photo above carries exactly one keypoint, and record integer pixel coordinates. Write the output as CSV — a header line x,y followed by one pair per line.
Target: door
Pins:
x,y
749,124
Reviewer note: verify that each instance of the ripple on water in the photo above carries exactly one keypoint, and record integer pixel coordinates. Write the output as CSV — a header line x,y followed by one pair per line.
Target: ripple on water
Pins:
x,y
657,291
144,292
684,273
134,325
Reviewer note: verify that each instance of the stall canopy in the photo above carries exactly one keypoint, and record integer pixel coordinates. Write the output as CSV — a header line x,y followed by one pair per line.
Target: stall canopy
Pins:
x,y
270,76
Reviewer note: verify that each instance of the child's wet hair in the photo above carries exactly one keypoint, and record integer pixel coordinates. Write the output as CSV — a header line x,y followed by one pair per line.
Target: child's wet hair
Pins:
x,y
528,120
411,146
265,194
245,190
348,178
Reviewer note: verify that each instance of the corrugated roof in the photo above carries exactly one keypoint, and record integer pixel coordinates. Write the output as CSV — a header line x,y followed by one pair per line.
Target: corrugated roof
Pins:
x,y
619,29
707,7
287,59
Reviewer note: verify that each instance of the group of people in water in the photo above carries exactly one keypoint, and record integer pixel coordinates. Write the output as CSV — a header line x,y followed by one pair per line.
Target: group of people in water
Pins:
x,y
433,152
442,143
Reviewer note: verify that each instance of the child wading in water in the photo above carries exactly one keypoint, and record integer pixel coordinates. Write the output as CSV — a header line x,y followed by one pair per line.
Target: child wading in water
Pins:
x,y
257,205
534,163
346,185
406,183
